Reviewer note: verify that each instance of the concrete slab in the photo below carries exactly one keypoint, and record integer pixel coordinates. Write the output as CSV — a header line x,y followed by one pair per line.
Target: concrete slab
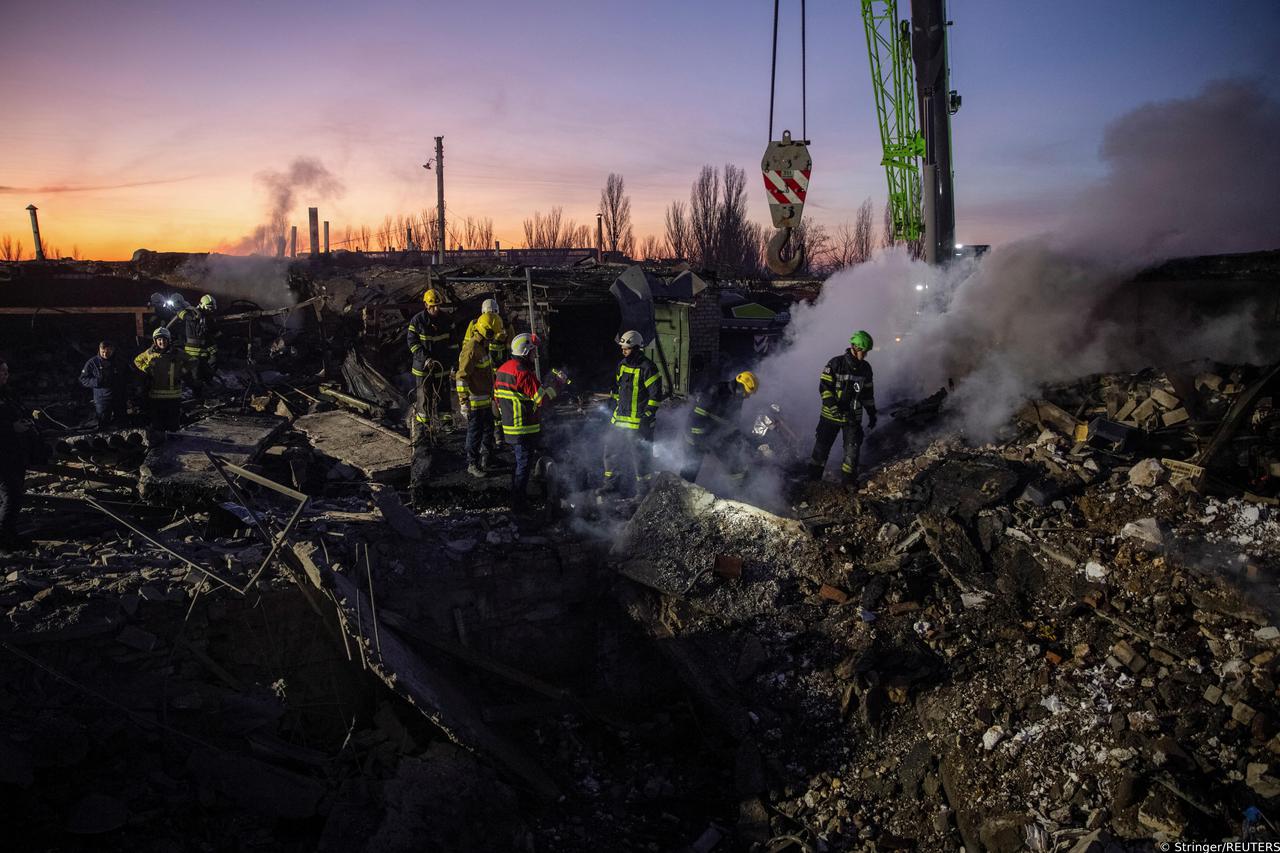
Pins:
x,y
178,470
375,451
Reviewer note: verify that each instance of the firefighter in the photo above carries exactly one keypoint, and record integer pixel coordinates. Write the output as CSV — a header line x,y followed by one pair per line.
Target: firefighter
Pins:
x,y
428,341
714,427
162,364
108,378
497,345
17,441
475,392
637,394
520,399
847,389
199,338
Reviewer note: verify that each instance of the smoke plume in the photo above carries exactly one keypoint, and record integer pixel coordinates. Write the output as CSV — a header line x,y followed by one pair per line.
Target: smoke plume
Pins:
x,y
1185,177
305,175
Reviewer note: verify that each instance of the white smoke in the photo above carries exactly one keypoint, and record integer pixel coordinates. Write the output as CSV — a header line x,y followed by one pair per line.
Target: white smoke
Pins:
x,y
1045,309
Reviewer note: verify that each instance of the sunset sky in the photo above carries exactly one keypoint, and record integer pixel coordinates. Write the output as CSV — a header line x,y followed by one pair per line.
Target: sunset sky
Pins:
x,y
143,124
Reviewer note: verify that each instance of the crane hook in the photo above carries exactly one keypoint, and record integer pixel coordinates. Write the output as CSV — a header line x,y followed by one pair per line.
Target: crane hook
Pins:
x,y
786,166
781,256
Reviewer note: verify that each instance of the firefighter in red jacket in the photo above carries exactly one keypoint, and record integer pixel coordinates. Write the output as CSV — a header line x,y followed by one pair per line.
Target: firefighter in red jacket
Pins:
x,y
520,399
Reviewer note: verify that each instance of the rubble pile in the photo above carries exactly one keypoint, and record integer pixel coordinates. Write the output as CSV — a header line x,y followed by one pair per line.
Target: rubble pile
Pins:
x,y
1063,640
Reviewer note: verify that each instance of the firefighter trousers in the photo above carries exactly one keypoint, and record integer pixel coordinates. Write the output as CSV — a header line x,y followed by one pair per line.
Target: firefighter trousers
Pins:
x,y
825,437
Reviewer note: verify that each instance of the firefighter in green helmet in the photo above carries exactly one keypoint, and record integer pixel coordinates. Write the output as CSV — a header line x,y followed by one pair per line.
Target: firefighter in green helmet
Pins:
x,y
847,388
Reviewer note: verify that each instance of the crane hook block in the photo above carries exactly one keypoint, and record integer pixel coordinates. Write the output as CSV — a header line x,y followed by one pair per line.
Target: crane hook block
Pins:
x,y
786,166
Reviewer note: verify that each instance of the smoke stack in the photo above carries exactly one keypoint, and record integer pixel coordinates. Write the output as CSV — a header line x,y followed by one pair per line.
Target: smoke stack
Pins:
x,y
313,227
326,237
599,238
293,241
35,232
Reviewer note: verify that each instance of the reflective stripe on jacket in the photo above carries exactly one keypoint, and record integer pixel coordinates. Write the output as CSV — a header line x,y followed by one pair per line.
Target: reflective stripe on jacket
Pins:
x,y
198,336
520,395
847,388
428,338
637,392
164,369
715,409
475,373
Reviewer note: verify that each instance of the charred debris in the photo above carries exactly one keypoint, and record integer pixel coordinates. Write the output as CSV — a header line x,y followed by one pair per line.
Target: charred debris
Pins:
x,y
255,635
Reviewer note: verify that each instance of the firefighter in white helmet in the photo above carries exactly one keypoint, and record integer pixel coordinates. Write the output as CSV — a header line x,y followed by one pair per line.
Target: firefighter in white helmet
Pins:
x,y
637,394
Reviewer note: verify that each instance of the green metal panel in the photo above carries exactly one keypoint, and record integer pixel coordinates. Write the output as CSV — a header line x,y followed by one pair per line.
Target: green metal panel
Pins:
x,y
670,351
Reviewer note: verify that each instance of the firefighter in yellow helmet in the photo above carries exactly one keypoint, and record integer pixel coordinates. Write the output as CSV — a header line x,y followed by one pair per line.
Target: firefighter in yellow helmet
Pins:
x,y
475,392
163,364
428,341
713,427
492,318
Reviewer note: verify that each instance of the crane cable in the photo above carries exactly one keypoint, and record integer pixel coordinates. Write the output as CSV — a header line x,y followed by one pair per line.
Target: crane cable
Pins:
x,y
773,73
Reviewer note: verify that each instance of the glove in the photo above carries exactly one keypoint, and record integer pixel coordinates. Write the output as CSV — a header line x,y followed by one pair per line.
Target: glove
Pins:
x,y
871,420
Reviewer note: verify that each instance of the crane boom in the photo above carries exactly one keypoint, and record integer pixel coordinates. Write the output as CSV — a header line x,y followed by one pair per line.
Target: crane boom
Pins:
x,y
893,85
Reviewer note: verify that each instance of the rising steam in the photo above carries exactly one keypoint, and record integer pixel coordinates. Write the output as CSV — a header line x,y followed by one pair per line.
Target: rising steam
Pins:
x,y
1185,177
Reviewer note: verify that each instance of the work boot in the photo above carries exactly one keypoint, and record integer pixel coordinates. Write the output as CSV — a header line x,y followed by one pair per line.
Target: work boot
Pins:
x,y
476,471
814,472
485,462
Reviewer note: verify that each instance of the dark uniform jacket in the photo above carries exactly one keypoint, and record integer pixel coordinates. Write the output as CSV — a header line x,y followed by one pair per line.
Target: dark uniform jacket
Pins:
x,y
520,395
198,335
637,393
715,410
108,378
847,388
428,338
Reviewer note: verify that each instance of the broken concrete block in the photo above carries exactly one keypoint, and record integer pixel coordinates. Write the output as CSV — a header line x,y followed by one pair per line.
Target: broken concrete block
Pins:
x,y
1143,412
1164,399
136,638
376,452
1125,412
1242,713
991,737
179,469
1129,657
1161,812
1175,417
1267,634
1145,530
1096,571
1208,381
1148,472
1212,694
393,511
1263,785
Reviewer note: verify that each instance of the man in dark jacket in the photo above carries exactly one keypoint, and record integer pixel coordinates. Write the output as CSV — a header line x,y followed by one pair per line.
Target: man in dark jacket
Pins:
x,y
16,439
847,389
714,428
637,394
108,378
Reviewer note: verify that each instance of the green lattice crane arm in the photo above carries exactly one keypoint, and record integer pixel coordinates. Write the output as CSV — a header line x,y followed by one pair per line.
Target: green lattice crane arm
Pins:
x,y
892,83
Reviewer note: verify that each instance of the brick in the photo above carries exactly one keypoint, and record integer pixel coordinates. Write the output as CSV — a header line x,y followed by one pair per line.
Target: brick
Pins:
x,y
1212,694
1164,399
1053,657
831,593
1242,713
1177,416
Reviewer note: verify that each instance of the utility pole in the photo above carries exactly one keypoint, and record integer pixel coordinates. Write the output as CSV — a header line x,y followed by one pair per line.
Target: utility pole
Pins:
x,y
35,232
326,237
440,196
293,241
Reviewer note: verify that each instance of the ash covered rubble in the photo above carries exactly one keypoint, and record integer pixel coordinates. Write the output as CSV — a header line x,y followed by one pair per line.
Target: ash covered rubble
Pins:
x,y
1065,640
